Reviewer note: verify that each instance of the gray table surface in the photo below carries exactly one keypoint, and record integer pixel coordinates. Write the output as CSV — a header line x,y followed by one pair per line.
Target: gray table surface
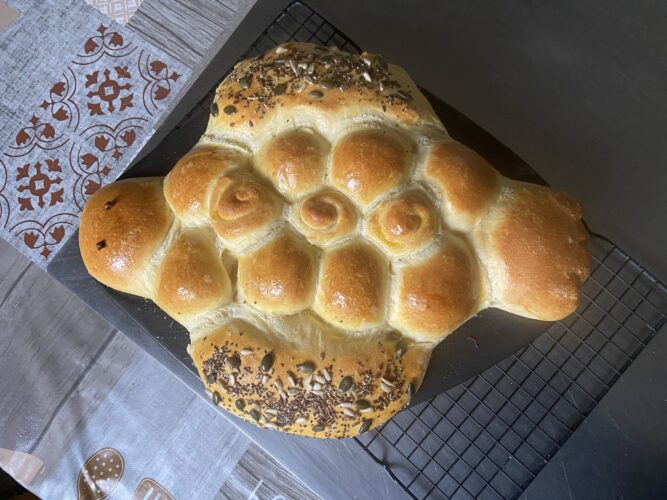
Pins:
x,y
575,88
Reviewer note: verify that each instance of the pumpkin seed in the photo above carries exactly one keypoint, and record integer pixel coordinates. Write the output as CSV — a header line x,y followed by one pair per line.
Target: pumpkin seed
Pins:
x,y
240,404
411,390
267,362
306,367
315,94
365,425
255,415
244,82
345,384
229,110
210,378
279,89
362,404
318,428
215,397
214,109
327,84
234,362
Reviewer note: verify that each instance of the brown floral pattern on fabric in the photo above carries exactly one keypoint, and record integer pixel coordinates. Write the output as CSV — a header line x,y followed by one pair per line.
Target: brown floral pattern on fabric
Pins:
x,y
41,182
81,134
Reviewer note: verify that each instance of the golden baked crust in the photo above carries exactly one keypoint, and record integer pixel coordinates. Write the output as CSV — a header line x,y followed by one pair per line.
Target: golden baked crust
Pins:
x,y
535,246
191,279
279,278
368,163
467,181
188,185
333,85
352,289
438,294
295,161
327,231
403,224
300,387
241,206
324,217
122,226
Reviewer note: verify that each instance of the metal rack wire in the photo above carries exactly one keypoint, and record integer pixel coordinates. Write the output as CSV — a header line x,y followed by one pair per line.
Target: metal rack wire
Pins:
x,y
490,436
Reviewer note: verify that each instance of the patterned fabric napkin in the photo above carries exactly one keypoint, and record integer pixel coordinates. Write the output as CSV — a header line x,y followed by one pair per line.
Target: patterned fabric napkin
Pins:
x,y
118,10
83,129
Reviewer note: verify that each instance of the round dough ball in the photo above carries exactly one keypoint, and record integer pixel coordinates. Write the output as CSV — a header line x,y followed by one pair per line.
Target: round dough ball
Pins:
x,y
435,296
279,278
352,287
369,162
295,161
191,280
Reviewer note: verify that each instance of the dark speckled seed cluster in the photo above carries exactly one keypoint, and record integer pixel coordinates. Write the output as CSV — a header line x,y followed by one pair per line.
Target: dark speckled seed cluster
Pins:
x,y
255,85
338,403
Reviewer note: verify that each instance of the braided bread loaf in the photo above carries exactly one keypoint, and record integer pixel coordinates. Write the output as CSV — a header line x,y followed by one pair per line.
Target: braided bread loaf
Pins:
x,y
324,235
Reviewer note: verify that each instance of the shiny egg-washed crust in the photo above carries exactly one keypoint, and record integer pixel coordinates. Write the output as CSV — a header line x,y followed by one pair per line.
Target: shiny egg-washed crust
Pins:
x,y
523,283
187,187
122,227
191,277
363,360
327,223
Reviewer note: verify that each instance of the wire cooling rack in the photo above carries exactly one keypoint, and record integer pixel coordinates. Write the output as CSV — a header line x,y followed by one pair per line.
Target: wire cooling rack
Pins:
x,y
490,436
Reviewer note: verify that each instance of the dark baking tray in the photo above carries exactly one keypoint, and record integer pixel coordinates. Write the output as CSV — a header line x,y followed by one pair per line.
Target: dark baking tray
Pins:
x,y
484,340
